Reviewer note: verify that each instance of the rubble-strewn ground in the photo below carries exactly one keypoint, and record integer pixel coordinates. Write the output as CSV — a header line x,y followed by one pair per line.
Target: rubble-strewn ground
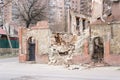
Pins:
x,y
10,69
64,46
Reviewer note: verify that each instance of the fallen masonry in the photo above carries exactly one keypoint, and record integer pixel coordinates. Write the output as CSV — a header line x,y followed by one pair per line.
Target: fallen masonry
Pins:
x,y
62,48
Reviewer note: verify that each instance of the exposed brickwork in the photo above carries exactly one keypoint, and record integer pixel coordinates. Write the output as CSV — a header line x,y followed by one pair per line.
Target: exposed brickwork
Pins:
x,y
85,57
41,35
22,58
43,59
115,41
86,50
110,34
78,59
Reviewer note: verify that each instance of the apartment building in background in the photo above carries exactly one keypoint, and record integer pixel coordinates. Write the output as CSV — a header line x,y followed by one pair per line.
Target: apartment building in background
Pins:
x,y
56,14
59,12
75,5
6,20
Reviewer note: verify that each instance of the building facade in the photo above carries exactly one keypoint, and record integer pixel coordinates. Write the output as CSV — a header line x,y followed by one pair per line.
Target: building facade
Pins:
x,y
59,13
56,15
97,42
34,43
7,18
107,33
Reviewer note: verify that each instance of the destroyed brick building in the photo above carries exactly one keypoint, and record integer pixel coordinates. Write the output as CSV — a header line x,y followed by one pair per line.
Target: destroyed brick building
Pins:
x,y
60,9
90,36
34,43
108,31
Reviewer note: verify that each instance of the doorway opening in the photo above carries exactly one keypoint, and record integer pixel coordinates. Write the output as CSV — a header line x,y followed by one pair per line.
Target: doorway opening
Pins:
x,y
31,49
98,50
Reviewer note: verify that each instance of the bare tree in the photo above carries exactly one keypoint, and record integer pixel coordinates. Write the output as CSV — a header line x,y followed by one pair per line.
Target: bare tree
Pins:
x,y
31,11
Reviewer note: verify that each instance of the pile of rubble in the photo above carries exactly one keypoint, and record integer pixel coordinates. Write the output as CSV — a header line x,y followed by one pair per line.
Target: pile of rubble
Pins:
x,y
62,48
87,66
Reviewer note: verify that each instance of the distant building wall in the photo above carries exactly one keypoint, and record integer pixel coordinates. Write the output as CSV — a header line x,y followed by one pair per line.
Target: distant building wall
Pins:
x,y
97,9
7,11
57,15
75,5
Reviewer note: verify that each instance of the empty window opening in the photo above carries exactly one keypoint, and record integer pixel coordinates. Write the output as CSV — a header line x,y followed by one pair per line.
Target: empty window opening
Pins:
x,y
77,20
83,24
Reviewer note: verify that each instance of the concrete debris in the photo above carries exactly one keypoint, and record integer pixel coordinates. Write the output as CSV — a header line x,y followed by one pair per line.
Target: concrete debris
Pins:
x,y
76,67
60,54
62,48
86,66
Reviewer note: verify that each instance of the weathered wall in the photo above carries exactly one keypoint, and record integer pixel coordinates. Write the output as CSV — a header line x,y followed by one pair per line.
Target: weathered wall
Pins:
x,y
110,34
110,31
116,11
100,30
41,34
115,41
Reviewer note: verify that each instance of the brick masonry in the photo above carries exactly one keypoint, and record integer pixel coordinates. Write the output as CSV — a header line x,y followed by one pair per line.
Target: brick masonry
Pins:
x,y
111,38
41,34
110,34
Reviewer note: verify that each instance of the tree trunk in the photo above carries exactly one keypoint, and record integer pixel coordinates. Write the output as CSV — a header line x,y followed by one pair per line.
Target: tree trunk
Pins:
x,y
27,24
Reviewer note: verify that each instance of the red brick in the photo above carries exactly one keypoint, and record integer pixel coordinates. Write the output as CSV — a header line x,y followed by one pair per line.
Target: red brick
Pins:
x,y
22,58
43,59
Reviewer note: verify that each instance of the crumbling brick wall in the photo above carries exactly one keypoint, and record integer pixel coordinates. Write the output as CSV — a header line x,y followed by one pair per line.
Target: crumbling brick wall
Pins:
x,y
115,40
108,32
41,34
